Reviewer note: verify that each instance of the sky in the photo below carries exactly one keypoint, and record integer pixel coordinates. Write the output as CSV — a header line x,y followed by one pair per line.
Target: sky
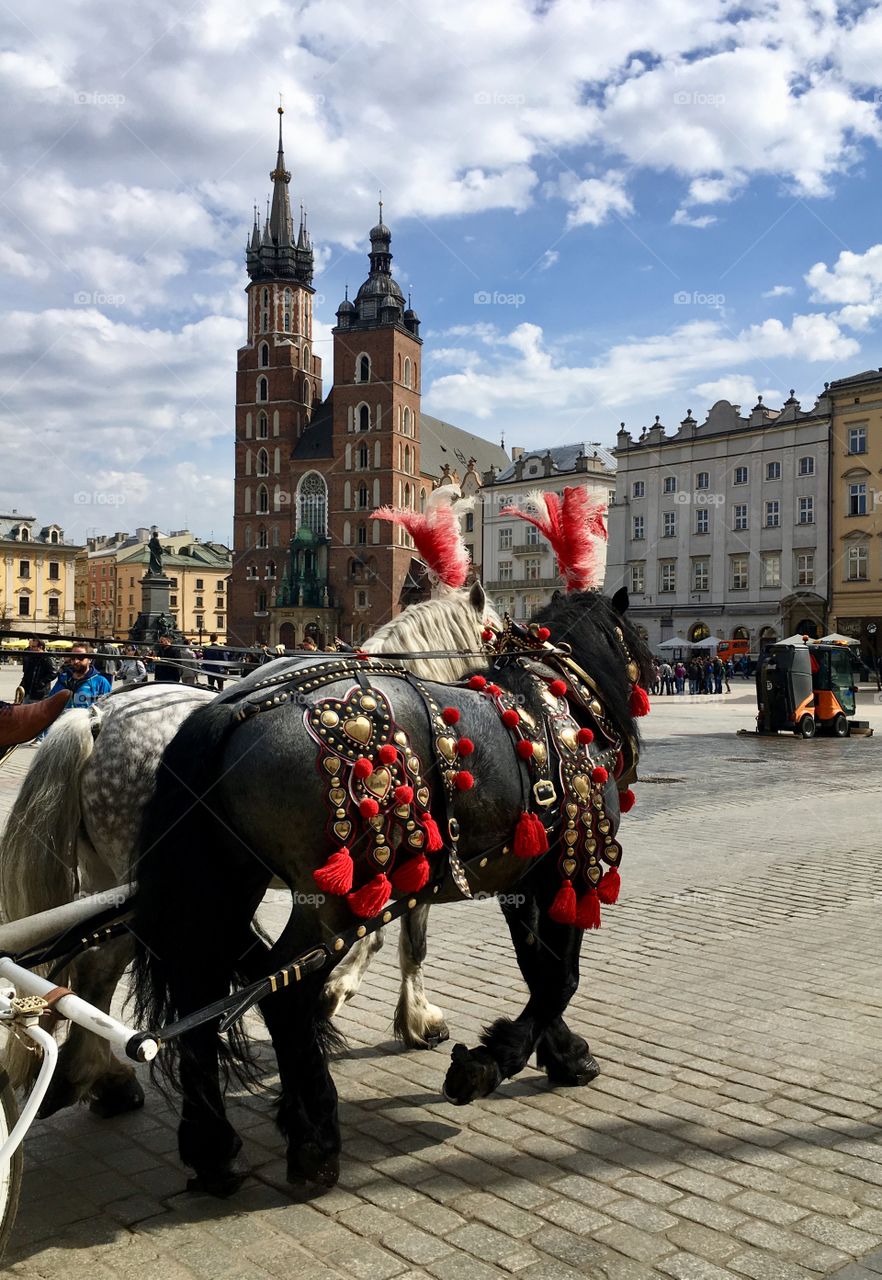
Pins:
x,y
605,211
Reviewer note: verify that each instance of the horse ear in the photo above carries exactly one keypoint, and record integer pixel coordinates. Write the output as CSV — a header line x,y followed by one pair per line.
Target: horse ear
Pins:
x,y
621,601
477,597
557,594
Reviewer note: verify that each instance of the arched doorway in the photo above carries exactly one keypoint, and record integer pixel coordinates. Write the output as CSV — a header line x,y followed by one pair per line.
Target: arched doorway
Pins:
x,y
740,633
287,635
698,631
767,636
808,627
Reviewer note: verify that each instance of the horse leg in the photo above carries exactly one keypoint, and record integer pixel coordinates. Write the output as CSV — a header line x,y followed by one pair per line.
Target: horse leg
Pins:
x,y
552,978
419,1024
349,973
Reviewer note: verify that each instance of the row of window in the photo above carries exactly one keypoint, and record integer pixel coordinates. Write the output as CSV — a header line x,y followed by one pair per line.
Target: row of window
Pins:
x,y
263,390
406,370
53,606
805,514
739,573
264,357
287,311
740,475
24,535
54,570
529,569
532,536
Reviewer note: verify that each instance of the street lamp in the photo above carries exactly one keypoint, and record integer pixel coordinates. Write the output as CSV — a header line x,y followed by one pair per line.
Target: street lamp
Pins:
x,y
871,632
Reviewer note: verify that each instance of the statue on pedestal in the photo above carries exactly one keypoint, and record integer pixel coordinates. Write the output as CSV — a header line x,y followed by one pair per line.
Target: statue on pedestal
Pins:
x,y
155,549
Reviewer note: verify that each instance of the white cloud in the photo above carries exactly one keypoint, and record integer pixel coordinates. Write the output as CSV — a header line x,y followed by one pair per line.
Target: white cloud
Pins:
x,y
548,259
736,388
855,280
682,218
779,291
593,200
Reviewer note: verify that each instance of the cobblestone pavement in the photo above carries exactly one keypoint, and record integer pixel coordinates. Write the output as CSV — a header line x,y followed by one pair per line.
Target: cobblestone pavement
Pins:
x,y
732,998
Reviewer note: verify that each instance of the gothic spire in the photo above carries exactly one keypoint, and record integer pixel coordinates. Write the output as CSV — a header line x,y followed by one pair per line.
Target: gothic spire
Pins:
x,y
280,217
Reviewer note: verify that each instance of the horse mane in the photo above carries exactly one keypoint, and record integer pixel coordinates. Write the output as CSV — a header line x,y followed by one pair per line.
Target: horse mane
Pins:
x,y
448,621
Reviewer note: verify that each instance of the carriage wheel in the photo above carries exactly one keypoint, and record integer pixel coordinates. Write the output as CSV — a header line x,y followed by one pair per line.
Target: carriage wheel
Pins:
x,y
10,1177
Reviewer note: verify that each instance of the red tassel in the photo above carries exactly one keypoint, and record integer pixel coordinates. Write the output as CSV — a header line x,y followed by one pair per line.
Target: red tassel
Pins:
x,y
412,876
627,800
465,747
608,889
639,704
558,688
585,737
403,795
600,775
510,718
477,682
563,909
433,835
530,838
387,754
463,781
363,768
370,898
525,748
336,875
588,911
368,807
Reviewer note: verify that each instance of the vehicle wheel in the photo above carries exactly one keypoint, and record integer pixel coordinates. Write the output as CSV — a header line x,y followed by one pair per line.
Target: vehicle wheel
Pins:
x,y
839,726
10,1179
806,727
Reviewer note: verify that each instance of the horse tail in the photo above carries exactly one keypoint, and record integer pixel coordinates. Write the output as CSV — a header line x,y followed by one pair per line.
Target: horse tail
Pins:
x,y
180,830
38,856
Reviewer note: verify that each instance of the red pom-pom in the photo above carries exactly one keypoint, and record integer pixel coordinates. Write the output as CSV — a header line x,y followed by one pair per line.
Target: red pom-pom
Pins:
x,y
494,689
387,754
543,633
433,835
510,718
368,807
599,774
524,748
627,800
530,837
403,795
563,909
363,768
477,682
486,635
465,747
412,875
371,898
588,911
608,889
558,688
639,704
450,715
463,781
585,736
336,875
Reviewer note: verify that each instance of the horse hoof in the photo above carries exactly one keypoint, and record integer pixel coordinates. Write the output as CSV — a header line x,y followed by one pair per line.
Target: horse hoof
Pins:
x,y
60,1094
473,1073
578,1072
116,1097
309,1164
220,1181
430,1037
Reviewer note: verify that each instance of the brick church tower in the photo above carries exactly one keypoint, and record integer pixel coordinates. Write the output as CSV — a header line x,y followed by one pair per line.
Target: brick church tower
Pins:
x,y
278,383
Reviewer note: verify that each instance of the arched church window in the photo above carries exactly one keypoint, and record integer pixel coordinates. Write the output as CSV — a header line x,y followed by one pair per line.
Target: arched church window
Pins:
x,y
364,418
262,389
262,462
262,540
406,426
270,568
363,457
407,458
306,363
407,371
286,311
312,504
363,373
307,391
363,499
264,355
262,500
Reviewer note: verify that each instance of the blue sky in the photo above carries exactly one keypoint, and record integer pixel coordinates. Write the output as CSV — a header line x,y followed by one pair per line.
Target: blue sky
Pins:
x,y
605,212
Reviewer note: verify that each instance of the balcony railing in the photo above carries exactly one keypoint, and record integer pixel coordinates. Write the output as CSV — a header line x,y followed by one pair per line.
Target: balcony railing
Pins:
x,y
529,548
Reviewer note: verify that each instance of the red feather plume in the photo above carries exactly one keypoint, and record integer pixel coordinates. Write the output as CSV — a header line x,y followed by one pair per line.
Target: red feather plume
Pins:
x,y
570,525
436,533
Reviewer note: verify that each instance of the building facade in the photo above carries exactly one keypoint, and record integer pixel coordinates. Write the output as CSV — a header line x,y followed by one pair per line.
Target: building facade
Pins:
x,y
311,467
722,527
519,567
37,582
856,509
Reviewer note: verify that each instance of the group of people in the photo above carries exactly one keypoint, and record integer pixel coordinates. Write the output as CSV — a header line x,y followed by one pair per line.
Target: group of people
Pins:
x,y
703,674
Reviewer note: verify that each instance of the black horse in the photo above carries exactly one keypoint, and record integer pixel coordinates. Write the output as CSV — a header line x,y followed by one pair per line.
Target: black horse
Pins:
x,y
242,797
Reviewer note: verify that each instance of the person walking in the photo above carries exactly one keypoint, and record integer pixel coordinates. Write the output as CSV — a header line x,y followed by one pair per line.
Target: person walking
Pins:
x,y
729,673
37,674
680,677
80,679
213,660
132,670
166,669
190,668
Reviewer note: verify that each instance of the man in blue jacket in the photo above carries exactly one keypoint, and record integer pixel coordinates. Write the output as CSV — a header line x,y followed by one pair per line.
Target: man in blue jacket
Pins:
x,y
79,677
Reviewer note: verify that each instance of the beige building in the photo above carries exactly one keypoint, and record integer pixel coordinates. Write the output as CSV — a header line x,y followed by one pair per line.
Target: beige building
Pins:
x,y
37,577
856,509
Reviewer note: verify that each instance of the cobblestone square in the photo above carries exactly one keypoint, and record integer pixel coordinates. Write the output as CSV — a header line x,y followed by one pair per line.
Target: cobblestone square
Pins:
x,y
732,999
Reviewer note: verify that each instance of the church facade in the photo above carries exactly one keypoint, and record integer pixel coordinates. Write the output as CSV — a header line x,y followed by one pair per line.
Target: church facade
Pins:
x,y
310,467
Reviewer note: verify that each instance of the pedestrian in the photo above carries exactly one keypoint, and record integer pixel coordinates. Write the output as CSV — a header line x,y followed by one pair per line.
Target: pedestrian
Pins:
x,y
189,665
308,644
717,668
680,677
213,663
655,686
106,665
166,669
667,677
132,670
729,674
79,677
37,674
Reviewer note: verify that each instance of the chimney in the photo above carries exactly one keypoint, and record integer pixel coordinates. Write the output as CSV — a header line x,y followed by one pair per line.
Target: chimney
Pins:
x,y
516,452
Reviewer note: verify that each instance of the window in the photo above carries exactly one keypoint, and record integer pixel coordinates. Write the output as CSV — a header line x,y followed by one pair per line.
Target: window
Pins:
x,y
532,536
173,601
407,422
53,536
251,571
637,528
532,569
701,574
667,577
470,522
261,602
53,607
857,439
25,535
702,480
220,585
286,311
364,418
773,470
638,489
771,569
262,542
306,363
739,573
262,462
407,367
218,602
312,501
262,389
24,606
262,427
54,571
264,355
740,475
805,570
504,571
505,538
24,568
670,484
200,585
362,498
270,573
805,511
858,563
702,520
740,517
262,500
773,514
361,535
669,526
362,458
219,620
807,466
199,604
363,371
857,499
638,579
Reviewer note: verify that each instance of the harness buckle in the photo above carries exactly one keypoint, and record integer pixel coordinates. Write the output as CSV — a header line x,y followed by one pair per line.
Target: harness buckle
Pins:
x,y
544,793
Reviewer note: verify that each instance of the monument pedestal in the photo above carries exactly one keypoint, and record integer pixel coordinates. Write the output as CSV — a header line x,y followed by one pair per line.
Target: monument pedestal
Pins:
x,y
155,618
